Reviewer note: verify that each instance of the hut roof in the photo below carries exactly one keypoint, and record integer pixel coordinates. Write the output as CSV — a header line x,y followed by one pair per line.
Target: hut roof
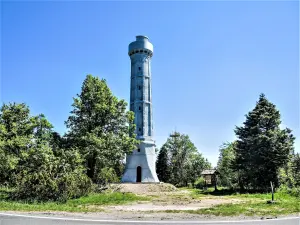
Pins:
x,y
209,172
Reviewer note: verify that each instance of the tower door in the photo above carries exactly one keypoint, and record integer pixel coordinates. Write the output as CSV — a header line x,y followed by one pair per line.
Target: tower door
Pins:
x,y
139,174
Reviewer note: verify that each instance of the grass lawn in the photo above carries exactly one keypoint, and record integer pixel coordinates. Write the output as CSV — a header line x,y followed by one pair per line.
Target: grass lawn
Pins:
x,y
89,203
243,204
251,204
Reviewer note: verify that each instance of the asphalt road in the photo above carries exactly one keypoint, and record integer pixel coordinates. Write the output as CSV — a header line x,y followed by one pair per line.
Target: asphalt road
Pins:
x,y
14,219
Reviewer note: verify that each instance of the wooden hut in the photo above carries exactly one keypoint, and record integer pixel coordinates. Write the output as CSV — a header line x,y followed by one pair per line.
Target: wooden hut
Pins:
x,y
210,177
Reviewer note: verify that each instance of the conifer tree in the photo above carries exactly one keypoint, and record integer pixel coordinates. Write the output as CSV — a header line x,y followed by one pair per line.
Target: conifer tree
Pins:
x,y
262,147
163,165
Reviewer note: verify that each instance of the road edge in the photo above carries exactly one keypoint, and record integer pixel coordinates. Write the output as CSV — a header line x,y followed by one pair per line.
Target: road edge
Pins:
x,y
145,222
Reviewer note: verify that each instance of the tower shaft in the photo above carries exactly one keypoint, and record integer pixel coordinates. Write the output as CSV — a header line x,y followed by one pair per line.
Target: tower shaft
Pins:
x,y
140,93
140,165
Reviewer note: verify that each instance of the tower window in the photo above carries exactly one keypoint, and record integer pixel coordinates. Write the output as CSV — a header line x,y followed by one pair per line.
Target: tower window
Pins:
x,y
139,150
139,87
141,51
139,107
139,129
139,68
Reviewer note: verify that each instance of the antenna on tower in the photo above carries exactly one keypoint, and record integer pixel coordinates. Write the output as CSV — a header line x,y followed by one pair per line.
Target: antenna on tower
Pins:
x,y
175,134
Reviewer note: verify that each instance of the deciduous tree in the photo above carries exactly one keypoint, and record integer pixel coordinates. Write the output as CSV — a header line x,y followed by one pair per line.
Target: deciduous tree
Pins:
x,y
179,161
100,127
227,177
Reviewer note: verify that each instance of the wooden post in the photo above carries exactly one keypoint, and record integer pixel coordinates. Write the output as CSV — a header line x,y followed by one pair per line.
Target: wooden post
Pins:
x,y
272,191
216,180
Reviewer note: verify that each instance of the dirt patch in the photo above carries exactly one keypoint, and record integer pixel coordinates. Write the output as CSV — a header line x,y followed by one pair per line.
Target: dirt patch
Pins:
x,y
144,188
170,204
166,197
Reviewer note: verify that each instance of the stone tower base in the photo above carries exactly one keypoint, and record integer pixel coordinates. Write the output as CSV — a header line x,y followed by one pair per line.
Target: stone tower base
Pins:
x,y
140,165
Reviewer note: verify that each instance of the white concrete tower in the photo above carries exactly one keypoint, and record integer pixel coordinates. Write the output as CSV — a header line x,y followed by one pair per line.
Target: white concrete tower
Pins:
x,y
140,165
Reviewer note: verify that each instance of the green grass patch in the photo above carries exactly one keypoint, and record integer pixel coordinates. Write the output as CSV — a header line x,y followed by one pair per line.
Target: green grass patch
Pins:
x,y
47,206
247,209
114,198
90,203
253,208
247,196
252,204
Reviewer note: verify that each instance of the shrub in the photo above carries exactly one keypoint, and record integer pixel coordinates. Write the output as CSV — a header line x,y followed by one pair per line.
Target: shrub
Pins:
x,y
199,183
45,177
295,191
107,175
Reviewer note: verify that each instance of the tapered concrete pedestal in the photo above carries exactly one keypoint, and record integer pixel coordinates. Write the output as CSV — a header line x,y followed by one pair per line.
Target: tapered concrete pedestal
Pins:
x,y
140,165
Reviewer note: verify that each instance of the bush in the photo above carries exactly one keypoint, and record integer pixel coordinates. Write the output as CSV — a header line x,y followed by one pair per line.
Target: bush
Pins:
x,y
295,191
45,177
199,183
41,187
107,175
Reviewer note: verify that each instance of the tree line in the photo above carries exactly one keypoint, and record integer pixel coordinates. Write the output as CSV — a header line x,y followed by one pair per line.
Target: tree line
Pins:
x,y
39,164
261,154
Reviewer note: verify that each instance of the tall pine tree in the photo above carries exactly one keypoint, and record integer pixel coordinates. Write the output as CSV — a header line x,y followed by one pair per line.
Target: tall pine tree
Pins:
x,y
262,147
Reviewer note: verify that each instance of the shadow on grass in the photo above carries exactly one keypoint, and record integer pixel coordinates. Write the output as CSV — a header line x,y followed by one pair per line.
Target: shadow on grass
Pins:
x,y
220,192
224,192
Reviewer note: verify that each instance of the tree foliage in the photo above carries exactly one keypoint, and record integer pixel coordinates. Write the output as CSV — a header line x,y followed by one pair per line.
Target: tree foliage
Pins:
x,y
163,165
43,165
43,176
227,176
28,162
295,169
262,147
18,132
179,162
101,128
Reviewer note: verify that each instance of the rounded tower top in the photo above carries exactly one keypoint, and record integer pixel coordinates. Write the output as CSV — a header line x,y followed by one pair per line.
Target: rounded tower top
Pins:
x,y
140,45
141,38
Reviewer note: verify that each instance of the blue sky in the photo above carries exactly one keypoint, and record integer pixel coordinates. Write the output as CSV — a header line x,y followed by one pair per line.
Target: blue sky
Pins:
x,y
211,60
